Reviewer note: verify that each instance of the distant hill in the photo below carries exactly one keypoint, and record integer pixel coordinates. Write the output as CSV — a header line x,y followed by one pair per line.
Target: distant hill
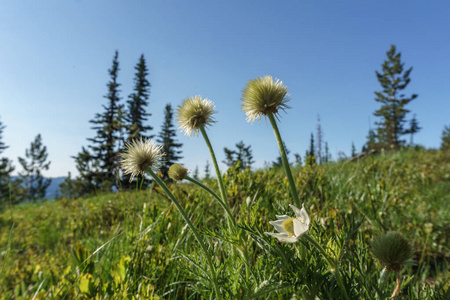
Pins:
x,y
53,189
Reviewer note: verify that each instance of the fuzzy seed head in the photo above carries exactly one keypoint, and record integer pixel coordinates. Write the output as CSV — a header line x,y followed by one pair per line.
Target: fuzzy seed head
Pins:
x,y
139,156
194,112
263,96
177,172
392,250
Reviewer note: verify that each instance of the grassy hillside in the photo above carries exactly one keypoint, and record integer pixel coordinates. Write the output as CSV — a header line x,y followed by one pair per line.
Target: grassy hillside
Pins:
x,y
135,245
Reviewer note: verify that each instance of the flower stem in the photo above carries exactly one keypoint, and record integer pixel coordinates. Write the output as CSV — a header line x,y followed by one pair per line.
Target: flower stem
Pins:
x,y
193,228
227,210
284,159
397,287
216,166
333,264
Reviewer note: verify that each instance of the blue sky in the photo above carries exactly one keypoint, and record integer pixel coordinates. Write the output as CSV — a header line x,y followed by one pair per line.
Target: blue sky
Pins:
x,y
54,57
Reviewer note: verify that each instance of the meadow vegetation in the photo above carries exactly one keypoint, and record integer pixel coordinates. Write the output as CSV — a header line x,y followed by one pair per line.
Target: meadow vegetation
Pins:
x,y
135,245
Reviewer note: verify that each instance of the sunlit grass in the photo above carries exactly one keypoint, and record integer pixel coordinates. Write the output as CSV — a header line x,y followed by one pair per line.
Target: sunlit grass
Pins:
x,y
135,243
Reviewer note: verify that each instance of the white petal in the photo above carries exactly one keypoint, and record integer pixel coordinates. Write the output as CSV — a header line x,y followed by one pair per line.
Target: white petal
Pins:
x,y
278,225
291,239
282,217
300,228
301,214
283,237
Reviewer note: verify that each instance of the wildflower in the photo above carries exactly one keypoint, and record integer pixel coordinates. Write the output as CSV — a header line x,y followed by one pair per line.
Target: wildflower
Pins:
x,y
139,156
263,96
177,172
193,113
291,229
392,250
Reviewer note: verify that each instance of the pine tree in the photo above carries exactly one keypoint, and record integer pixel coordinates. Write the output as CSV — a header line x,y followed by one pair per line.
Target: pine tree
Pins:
x,y
310,155
243,155
207,170
105,145
353,150
319,140
445,145
33,164
90,178
166,138
229,160
372,142
137,103
413,128
195,174
298,159
393,79
6,168
327,153
67,188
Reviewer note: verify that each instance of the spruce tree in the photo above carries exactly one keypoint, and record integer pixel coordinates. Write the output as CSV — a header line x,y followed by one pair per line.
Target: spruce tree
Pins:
x,y
137,102
353,150
393,79
310,155
319,140
327,153
207,170
33,164
91,175
229,160
67,187
6,169
413,128
445,144
195,174
105,145
166,138
243,155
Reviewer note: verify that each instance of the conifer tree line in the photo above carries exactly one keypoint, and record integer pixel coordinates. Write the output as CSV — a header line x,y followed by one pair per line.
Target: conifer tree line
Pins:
x,y
123,119
120,122
30,185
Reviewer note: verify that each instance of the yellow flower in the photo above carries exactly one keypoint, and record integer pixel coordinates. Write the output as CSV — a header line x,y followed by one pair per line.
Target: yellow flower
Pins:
x,y
139,156
193,113
291,229
263,96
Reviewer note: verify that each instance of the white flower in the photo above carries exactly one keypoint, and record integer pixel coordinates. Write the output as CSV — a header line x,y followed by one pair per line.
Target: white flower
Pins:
x,y
291,229
139,156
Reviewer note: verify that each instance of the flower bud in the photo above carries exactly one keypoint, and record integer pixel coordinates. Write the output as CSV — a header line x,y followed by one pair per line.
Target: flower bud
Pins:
x,y
177,172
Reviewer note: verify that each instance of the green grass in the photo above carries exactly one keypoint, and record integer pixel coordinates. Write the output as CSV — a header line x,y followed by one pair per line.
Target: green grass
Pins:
x,y
134,245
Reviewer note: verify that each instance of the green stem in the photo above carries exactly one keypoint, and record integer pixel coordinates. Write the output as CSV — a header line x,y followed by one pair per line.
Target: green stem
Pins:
x,y
227,210
334,267
284,159
193,228
216,166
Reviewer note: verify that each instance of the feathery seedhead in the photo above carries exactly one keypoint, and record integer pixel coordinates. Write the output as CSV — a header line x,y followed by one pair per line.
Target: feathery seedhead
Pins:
x,y
139,156
263,96
177,172
194,112
392,250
